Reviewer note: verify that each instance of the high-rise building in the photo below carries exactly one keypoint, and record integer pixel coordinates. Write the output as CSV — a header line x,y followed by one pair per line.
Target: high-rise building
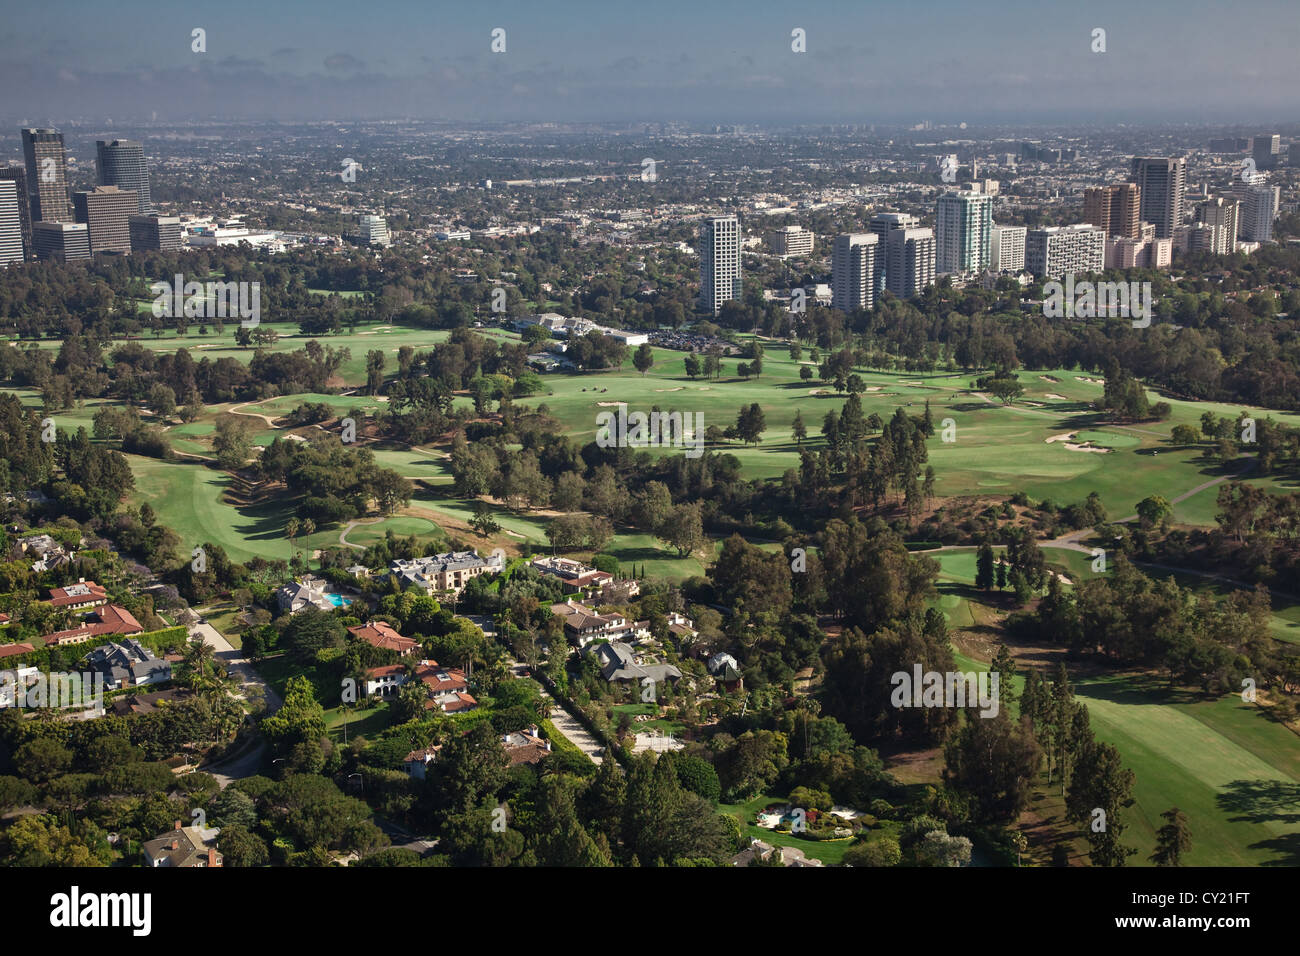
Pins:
x,y
18,176
1260,204
373,231
720,275
121,163
155,232
107,211
1115,210
907,259
790,241
1054,251
64,241
1220,215
854,271
963,222
1264,149
11,223
1162,184
47,175
1007,248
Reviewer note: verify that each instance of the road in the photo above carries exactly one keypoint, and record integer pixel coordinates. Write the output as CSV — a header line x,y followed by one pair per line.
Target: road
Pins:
x,y
563,721
251,684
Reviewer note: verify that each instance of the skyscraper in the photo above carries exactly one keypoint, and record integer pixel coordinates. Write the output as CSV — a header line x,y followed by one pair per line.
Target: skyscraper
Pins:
x,y
373,231
107,212
1260,203
1162,183
11,223
720,276
64,241
854,271
791,241
1115,210
1007,248
908,254
1264,149
1221,216
18,176
47,175
963,221
155,232
121,163
1056,250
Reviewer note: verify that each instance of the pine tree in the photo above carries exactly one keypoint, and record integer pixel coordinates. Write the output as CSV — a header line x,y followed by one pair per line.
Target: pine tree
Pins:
x,y
1173,839
984,568
1004,665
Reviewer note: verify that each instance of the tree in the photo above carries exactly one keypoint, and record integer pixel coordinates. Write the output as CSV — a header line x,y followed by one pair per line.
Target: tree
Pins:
x,y
643,359
798,431
937,848
750,424
1154,511
482,520
692,363
291,528
683,529
233,440
308,529
875,853
984,567
375,371
805,373
994,760
1173,839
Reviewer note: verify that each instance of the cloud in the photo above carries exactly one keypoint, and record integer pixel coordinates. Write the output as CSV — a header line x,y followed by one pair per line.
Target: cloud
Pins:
x,y
343,62
285,51
239,63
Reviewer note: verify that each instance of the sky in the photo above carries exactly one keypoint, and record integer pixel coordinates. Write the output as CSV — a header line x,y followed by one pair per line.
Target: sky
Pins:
x,y
702,61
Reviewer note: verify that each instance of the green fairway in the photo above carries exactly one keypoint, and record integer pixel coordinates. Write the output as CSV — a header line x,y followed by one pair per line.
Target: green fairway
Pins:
x,y
187,498
424,529
1232,770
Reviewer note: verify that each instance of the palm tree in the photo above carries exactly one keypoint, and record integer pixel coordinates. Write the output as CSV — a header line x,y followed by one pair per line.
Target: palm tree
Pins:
x,y
308,528
291,532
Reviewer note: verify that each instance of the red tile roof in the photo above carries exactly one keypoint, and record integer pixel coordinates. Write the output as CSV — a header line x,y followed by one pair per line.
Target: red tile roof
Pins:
x,y
383,635
74,594
13,650
110,619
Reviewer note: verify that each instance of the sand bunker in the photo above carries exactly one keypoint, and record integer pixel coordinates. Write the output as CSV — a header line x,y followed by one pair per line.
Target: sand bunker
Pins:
x,y
677,389
608,404
1049,378
1059,398
1067,439
1033,404
1090,381
874,388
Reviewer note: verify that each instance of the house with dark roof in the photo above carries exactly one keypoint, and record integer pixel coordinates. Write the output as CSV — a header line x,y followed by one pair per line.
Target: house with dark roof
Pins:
x,y
443,572
128,664
183,846
574,576
525,746
584,625
299,595
618,663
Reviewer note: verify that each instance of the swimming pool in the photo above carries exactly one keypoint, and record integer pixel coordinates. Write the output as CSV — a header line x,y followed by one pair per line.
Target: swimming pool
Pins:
x,y
338,600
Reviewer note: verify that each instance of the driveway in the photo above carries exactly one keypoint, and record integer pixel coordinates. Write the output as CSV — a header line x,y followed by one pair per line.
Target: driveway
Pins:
x,y
249,762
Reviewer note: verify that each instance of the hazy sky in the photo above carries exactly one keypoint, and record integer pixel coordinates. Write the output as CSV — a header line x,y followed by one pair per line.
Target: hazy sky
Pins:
x,y
722,61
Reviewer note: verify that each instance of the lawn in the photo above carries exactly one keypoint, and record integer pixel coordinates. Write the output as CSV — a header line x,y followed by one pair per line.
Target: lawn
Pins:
x,y
829,852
